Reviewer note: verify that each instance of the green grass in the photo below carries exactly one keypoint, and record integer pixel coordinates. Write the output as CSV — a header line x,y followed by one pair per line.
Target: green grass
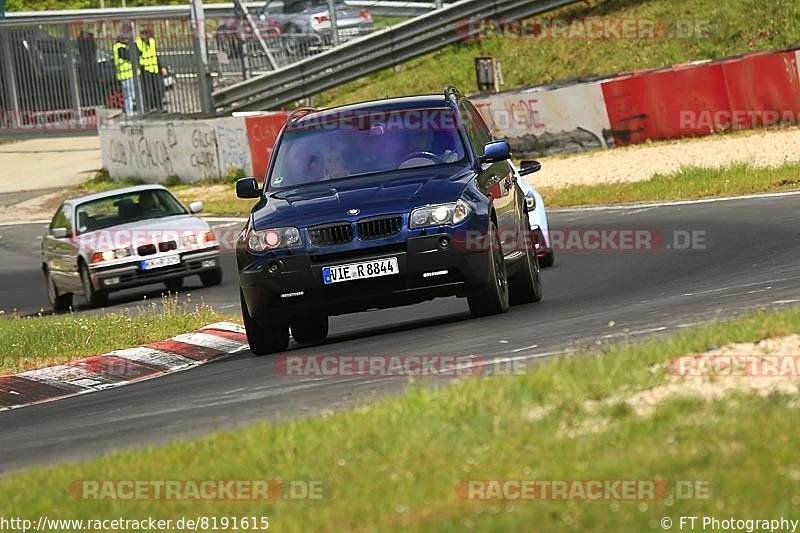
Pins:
x,y
687,183
394,464
35,342
737,26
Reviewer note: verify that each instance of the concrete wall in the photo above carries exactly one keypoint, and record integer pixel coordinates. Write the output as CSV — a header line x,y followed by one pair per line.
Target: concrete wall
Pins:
x,y
544,121
193,150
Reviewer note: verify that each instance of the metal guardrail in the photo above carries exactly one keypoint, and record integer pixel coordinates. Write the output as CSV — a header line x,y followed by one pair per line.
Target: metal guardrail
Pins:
x,y
380,50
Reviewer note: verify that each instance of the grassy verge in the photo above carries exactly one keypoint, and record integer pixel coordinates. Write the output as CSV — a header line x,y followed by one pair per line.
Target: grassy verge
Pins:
x,y
688,183
36,342
735,27
395,464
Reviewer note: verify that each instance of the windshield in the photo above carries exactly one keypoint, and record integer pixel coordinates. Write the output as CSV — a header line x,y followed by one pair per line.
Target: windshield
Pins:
x,y
125,208
353,146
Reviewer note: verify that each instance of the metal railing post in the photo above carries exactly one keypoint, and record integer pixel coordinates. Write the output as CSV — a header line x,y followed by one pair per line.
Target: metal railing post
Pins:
x,y
10,77
334,22
201,57
138,89
72,75
248,17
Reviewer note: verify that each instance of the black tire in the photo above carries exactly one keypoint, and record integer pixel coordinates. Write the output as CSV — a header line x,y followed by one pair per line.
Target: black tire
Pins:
x,y
94,297
493,297
59,302
309,330
526,284
211,278
174,284
263,336
548,259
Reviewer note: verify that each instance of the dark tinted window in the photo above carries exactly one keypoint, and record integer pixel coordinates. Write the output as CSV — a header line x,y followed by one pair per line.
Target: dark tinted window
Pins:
x,y
125,208
477,131
345,146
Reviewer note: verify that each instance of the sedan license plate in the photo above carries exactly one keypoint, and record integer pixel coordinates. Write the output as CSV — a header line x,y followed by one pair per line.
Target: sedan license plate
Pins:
x,y
353,271
158,262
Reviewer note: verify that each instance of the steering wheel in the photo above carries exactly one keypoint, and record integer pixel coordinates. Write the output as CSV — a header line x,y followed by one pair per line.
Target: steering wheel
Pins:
x,y
423,155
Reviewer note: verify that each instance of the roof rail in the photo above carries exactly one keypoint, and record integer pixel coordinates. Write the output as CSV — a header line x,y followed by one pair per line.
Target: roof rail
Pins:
x,y
300,112
451,90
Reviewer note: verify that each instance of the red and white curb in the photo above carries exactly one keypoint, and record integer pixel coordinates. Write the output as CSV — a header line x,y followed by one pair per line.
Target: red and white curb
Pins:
x,y
120,367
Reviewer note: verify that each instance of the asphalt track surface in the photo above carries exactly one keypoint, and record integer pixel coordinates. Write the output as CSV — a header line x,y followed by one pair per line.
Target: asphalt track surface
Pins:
x,y
749,258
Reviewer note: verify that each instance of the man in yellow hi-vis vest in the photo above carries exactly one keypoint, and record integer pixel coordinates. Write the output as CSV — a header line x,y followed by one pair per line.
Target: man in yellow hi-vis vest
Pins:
x,y
124,69
152,83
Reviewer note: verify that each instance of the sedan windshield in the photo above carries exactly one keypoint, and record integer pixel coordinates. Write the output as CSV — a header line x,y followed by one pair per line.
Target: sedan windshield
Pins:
x,y
124,208
330,150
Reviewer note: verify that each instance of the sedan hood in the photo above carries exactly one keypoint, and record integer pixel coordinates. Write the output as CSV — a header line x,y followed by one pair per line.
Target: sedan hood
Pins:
x,y
382,194
142,232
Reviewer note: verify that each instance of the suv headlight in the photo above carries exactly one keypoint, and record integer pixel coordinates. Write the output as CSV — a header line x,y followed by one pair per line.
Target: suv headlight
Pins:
x,y
260,241
440,215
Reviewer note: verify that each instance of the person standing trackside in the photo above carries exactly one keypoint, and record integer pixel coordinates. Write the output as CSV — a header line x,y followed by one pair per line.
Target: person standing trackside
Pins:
x,y
124,69
152,84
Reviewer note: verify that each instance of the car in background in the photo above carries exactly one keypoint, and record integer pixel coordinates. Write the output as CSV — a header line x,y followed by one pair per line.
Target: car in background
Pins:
x,y
114,240
382,204
305,26
537,214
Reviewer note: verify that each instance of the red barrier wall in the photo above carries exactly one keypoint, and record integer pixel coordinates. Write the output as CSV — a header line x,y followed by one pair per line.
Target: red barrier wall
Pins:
x,y
698,99
652,105
764,83
262,131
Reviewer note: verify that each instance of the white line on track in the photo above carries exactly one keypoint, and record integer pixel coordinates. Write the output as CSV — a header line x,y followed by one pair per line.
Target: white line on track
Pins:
x,y
627,207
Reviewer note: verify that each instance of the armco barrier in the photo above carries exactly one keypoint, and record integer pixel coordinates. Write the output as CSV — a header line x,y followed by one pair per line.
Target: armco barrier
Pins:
x,y
192,150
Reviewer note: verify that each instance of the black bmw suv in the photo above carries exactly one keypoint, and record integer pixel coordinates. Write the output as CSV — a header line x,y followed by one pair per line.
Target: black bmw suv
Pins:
x,y
382,204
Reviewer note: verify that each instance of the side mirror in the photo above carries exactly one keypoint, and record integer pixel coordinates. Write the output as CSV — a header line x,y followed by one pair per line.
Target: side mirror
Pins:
x,y
195,207
529,167
247,188
58,233
496,151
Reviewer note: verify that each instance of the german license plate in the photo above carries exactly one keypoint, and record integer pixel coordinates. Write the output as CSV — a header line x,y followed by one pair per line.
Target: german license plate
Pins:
x,y
158,262
353,271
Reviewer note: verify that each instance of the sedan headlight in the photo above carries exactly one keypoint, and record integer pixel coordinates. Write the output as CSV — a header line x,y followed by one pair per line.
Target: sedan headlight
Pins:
x,y
110,255
260,241
440,215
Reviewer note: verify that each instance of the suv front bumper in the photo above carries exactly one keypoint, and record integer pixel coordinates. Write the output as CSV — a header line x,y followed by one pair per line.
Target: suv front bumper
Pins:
x,y
427,269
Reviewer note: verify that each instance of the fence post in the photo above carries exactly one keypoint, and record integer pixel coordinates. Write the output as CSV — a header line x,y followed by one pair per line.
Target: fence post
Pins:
x,y
201,56
72,76
10,76
334,22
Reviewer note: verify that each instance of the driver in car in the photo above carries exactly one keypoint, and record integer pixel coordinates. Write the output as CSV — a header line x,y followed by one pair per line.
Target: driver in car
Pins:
x,y
334,164
425,149
148,205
